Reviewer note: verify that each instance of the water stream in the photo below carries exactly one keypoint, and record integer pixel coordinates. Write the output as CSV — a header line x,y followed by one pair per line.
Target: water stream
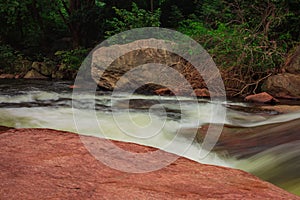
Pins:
x,y
46,104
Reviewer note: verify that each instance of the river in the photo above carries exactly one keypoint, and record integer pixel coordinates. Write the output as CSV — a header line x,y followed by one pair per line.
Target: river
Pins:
x,y
48,104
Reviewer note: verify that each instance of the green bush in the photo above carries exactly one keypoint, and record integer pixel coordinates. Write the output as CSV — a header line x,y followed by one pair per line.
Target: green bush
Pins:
x,y
236,46
136,18
8,58
246,56
72,59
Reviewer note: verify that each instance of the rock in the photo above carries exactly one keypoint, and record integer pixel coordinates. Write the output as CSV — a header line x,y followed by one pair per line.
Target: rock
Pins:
x,y
17,76
64,73
48,164
261,98
164,92
22,66
243,142
43,68
7,76
282,108
201,93
33,74
262,110
283,85
147,89
58,75
293,62
177,73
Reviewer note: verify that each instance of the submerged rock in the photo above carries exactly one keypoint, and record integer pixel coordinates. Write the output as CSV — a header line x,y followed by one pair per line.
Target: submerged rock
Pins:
x,y
48,164
281,108
243,142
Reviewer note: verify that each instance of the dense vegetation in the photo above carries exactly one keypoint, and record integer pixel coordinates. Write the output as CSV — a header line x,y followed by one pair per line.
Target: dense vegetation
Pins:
x,y
247,39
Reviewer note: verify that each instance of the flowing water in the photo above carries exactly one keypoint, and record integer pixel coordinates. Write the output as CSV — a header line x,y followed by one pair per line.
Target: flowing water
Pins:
x,y
47,104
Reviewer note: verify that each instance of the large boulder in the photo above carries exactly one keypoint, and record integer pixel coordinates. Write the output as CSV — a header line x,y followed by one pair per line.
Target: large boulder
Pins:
x,y
284,85
178,75
48,164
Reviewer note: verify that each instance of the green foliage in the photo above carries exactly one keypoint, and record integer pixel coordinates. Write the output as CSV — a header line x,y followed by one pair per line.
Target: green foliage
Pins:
x,y
8,57
72,59
136,18
234,46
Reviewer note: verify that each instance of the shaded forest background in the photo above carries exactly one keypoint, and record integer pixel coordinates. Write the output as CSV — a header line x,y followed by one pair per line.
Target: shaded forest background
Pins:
x,y
247,39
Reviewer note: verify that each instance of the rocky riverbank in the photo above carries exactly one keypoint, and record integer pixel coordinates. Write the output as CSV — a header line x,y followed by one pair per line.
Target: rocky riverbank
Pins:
x,y
48,164
285,84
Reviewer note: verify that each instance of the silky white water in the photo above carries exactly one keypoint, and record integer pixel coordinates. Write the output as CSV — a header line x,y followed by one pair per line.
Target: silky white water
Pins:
x,y
149,120
42,109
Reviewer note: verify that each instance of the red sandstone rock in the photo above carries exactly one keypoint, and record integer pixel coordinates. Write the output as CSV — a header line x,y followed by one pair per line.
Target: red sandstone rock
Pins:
x,y
48,164
74,86
261,98
163,92
7,76
17,76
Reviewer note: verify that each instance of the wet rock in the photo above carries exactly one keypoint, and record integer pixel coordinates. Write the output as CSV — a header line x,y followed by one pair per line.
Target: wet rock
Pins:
x,y
263,110
7,76
17,76
201,93
262,98
284,85
164,92
243,142
4,129
282,108
147,89
33,74
48,164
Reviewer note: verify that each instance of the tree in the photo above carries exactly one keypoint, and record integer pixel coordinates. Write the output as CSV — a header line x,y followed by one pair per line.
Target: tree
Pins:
x,y
83,19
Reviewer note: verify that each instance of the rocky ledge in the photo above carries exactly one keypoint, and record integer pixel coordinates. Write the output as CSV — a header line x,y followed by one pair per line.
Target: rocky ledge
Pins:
x,y
48,164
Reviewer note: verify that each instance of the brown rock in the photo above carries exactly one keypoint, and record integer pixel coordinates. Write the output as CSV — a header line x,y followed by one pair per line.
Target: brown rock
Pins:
x,y
142,63
201,93
17,76
164,92
7,76
283,85
33,74
148,89
48,164
282,108
293,62
44,68
261,98
243,142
